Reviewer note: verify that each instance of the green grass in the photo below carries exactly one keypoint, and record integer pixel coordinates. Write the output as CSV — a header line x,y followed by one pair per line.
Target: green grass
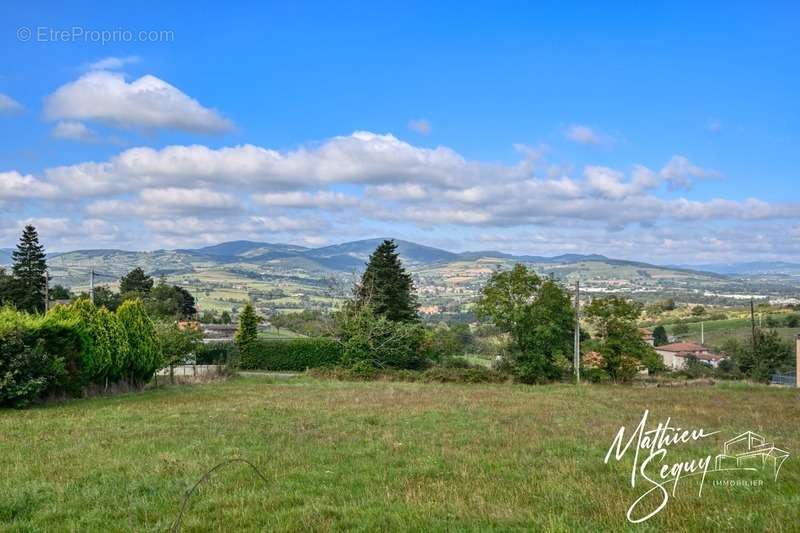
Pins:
x,y
477,359
377,456
716,332
282,333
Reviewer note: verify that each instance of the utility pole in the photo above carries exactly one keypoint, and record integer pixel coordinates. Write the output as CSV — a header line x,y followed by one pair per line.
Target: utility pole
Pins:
x,y
91,284
753,324
702,333
576,360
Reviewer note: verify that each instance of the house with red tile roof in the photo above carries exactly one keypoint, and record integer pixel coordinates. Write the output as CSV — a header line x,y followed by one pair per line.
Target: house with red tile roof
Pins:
x,y
676,354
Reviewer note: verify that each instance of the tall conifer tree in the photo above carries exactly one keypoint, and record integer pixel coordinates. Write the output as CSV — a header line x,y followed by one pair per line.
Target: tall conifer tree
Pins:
x,y
30,269
387,287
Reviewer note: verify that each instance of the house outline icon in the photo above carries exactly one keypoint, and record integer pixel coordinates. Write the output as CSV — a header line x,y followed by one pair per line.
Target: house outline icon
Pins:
x,y
751,450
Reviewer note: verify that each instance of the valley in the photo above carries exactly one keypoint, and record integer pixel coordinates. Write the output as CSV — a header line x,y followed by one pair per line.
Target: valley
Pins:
x,y
282,278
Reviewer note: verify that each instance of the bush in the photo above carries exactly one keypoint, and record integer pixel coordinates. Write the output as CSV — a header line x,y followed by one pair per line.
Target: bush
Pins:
x,y
72,348
25,371
145,350
291,355
98,353
436,374
38,357
595,375
473,374
374,340
217,353
178,345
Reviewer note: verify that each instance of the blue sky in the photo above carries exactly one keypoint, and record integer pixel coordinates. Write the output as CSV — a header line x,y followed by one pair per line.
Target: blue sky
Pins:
x,y
661,132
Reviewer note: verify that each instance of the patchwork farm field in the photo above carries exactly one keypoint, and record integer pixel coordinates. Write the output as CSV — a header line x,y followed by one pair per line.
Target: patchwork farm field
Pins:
x,y
381,456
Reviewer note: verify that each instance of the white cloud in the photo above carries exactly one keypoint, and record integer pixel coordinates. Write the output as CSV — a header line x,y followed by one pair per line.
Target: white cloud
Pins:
x,y
420,125
15,186
202,194
285,224
584,135
112,63
63,230
160,201
74,131
8,105
147,103
306,200
679,172
362,157
404,191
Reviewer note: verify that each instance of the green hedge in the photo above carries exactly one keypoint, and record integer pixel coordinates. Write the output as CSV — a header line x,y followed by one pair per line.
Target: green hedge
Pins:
x,y
39,357
217,353
72,349
292,355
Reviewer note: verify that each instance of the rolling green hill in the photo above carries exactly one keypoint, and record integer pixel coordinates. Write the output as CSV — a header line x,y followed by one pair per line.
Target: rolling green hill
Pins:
x,y
286,277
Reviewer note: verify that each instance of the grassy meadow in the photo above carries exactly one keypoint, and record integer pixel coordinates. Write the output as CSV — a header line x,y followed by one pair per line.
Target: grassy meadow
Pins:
x,y
716,332
379,456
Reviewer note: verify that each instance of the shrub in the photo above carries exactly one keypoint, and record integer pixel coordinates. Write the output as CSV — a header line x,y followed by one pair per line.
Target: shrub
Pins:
x,y
472,374
436,374
217,353
145,351
71,348
25,371
97,355
113,337
292,355
178,345
38,357
371,339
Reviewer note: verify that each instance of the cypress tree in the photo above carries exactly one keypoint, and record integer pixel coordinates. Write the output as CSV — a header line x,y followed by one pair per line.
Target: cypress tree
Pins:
x,y
247,334
30,269
386,286
144,349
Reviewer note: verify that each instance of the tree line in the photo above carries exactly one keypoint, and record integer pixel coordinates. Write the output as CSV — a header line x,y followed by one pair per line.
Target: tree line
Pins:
x,y
121,339
26,286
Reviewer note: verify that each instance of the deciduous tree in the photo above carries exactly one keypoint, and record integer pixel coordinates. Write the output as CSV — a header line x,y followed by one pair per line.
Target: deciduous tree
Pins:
x,y
136,282
539,318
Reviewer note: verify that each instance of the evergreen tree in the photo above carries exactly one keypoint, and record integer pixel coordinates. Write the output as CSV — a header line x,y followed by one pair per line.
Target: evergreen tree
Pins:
x,y
144,346
247,334
30,269
660,336
386,287
188,305
136,282
6,288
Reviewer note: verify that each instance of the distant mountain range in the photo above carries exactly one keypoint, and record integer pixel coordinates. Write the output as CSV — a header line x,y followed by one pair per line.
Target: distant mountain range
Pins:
x,y
750,268
345,257
290,277
351,255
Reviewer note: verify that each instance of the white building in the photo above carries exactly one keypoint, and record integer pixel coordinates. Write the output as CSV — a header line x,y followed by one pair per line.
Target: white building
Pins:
x,y
676,355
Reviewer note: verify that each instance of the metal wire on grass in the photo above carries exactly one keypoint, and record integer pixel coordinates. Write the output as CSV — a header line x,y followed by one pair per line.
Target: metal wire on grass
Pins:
x,y
177,524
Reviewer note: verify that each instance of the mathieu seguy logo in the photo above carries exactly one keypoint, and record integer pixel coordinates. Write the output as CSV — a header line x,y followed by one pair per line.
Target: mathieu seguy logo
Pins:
x,y
649,447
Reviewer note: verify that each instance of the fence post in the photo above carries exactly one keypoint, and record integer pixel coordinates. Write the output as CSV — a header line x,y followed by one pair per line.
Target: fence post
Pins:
x,y
797,362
